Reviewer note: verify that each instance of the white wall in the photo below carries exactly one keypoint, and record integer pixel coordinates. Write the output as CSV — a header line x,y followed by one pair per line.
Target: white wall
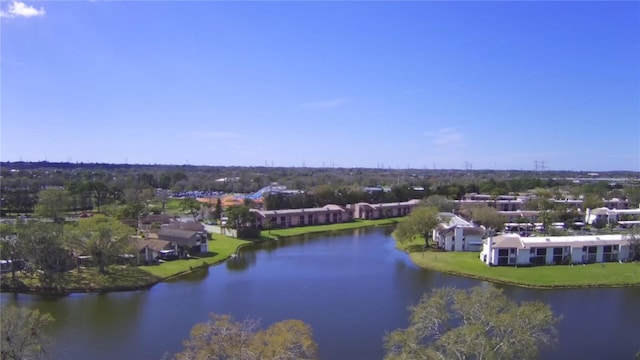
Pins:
x,y
523,256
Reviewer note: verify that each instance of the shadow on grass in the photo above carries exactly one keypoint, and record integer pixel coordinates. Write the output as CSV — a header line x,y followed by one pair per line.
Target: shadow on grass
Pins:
x,y
208,254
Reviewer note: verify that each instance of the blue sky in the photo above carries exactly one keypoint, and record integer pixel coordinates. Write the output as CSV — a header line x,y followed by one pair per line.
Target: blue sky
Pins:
x,y
420,84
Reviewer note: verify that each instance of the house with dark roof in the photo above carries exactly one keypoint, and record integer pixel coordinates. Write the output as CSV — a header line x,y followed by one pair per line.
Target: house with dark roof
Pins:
x,y
197,240
150,249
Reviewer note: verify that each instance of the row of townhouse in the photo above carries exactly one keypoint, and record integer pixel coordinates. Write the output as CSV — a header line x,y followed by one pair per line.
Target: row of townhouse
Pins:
x,y
331,214
622,217
515,203
513,249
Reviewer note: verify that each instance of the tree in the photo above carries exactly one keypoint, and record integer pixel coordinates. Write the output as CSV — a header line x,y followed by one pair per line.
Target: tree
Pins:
x,y
9,249
420,222
53,203
99,236
592,201
217,212
488,216
223,338
241,219
41,244
634,242
481,323
438,201
190,205
23,333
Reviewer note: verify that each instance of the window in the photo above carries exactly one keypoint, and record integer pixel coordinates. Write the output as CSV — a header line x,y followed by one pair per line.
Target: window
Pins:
x,y
558,255
538,256
310,219
301,220
327,219
504,258
610,253
591,254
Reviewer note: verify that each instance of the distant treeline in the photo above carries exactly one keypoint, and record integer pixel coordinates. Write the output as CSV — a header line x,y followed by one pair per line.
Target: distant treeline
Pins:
x,y
94,185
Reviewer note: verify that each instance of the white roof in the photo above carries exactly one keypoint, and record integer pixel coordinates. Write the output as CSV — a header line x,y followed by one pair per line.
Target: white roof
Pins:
x,y
580,240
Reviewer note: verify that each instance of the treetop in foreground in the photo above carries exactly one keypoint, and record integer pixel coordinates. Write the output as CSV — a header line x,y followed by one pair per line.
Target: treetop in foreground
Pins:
x,y
481,323
224,338
23,333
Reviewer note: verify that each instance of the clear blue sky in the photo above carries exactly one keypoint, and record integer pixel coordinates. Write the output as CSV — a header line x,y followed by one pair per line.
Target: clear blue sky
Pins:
x,y
495,84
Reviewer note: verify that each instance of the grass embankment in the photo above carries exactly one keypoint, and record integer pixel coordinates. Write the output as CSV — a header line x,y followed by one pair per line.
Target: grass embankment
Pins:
x,y
468,264
220,248
295,231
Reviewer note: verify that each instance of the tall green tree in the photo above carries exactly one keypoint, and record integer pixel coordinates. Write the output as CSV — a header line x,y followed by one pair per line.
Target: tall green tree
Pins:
x,y
481,323
217,212
23,332
224,338
41,244
420,222
53,203
100,237
241,219
488,217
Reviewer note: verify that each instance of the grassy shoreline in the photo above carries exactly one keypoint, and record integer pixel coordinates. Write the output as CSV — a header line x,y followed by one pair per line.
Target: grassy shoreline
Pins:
x,y
315,229
126,278
467,264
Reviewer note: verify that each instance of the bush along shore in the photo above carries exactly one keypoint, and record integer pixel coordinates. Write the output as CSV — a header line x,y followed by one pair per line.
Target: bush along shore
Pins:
x,y
468,264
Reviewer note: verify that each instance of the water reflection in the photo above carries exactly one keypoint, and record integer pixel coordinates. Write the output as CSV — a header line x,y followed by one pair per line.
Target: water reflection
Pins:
x,y
243,261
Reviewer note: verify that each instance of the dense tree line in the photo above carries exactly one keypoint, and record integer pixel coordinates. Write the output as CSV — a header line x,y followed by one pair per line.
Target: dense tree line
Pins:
x,y
92,186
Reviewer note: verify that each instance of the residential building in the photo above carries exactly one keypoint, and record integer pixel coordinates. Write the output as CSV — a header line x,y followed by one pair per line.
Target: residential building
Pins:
x,y
328,214
196,239
513,249
150,249
368,211
520,215
611,215
500,202
616,204
457,234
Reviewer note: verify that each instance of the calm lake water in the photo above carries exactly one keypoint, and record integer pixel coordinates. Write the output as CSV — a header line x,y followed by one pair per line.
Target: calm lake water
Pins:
x,y
351,287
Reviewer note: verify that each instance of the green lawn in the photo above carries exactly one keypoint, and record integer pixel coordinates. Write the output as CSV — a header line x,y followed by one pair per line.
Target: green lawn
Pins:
x,y
220,248
468,264
280,233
